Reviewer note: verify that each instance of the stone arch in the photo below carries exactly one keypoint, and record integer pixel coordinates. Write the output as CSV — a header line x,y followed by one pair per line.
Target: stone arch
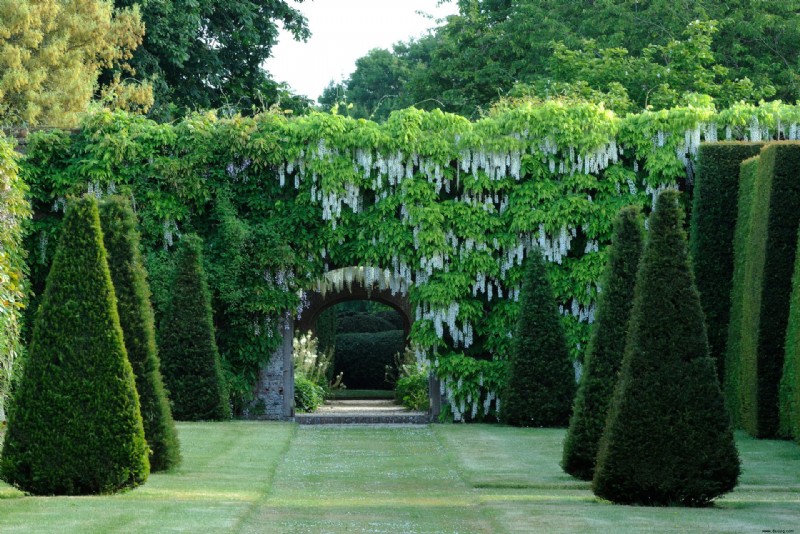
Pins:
x,y
275,389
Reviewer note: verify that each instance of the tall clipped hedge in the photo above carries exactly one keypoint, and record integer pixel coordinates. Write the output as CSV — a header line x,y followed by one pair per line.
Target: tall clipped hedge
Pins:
x,y
541,379
121,240
668,439
74,426
14,209
790,380
189,356
769,263
711,235
747,182
363,358
606,347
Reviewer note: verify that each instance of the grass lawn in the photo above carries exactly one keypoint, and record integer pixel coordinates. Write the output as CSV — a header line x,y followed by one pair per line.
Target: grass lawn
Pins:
x,y
274,477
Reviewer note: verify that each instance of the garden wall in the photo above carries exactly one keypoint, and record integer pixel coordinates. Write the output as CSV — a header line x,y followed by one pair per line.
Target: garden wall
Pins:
x,y
447,208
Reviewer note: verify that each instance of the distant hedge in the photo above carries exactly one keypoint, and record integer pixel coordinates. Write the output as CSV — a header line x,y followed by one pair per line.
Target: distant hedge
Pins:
x,y
363,358
769,264
747,183
711,235
790,381
351,323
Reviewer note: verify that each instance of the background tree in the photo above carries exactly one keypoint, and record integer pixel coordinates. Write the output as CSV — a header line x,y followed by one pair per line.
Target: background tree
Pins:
x,y
668,437
541,379
203,54
121,240
606,347
553,47
190,359
52,52
74,426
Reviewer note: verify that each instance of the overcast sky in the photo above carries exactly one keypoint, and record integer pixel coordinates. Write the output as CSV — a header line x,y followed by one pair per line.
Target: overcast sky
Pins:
x,y
343,31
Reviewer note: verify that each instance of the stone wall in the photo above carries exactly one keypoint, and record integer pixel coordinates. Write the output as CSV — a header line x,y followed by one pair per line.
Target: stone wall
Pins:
x,y
275,389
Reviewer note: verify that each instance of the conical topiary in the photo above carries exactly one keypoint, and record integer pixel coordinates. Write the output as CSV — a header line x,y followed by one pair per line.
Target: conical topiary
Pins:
x,y
136,317
74,426
189,356
668,437
606,347
541,379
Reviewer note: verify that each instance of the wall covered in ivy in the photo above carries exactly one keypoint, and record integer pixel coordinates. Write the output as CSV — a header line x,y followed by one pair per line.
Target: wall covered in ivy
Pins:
x,y
14,210
447,209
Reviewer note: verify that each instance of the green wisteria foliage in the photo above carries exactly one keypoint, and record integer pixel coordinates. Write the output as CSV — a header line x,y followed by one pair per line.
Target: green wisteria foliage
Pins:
x,y
448,209
14,209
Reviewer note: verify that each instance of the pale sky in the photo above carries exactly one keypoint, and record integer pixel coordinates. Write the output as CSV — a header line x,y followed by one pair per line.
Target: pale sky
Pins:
x,y
343,31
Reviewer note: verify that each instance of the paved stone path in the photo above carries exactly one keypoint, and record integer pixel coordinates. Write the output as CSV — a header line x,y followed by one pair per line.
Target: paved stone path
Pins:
x,y
372,411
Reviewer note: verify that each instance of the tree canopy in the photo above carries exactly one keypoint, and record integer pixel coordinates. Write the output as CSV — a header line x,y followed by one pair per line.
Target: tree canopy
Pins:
x,y
626,53
52,52
202,54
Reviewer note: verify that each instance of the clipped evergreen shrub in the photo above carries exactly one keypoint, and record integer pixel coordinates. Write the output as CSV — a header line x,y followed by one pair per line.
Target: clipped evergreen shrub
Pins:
x,y
790,380
189,356
540,384
363,358
711,235
75,427
362,322
668,438
606,347
731,370
121,240
769,264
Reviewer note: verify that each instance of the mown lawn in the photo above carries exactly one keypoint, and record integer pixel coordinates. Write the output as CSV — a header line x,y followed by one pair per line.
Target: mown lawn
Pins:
x,y
271,477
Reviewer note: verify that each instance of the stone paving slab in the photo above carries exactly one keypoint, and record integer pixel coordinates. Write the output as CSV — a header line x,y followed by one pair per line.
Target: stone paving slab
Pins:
x,y
368,412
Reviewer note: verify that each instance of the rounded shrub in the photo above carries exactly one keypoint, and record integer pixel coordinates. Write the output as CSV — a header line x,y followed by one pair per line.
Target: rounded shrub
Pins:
x,y
668,439
136,318
189,356
412,391
606,347
75,427
308,396
540,384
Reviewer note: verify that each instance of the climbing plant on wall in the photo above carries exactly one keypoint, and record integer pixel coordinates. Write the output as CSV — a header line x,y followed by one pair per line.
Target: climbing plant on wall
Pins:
x,y
14,209
443,208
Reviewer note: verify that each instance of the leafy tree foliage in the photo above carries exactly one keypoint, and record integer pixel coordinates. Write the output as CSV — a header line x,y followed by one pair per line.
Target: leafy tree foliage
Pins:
x,y
52,52
204,54
668,438
541,380
624,52
75,426
606,348
190,358
121,240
